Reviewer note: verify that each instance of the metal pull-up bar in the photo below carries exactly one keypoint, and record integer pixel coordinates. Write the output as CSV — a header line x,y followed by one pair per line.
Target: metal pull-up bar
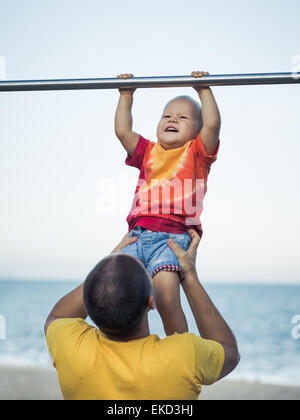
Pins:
x,y
151,82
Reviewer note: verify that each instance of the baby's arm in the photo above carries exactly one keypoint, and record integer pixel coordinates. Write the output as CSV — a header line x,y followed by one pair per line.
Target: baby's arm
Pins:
x,y
123,118
210,116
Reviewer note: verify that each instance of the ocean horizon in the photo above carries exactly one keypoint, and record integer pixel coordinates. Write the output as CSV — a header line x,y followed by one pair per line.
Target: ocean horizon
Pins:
x,y
260,315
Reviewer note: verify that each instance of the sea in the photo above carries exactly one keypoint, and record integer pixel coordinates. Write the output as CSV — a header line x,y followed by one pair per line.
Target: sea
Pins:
x,y
264,318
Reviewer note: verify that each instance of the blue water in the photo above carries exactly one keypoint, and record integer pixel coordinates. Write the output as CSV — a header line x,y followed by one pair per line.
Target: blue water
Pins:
x,y
259,315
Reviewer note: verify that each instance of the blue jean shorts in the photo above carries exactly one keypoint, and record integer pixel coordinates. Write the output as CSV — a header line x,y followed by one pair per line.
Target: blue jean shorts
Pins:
x,y
153,250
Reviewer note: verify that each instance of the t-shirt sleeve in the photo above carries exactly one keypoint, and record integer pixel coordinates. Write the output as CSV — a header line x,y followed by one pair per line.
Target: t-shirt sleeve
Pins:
x,y
200,149
209,360
136,159
62,336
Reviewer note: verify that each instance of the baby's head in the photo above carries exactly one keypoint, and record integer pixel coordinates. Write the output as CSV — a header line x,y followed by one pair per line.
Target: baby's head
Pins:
x,y
181,121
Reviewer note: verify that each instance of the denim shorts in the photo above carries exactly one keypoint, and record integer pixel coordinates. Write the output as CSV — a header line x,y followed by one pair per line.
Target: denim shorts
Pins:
x,y
153,250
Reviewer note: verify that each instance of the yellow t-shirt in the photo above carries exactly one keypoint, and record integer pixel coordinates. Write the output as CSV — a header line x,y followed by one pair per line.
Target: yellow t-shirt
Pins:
x,y
93,367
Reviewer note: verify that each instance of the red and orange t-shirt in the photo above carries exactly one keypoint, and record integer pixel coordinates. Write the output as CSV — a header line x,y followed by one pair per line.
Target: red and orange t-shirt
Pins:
x,y
171,185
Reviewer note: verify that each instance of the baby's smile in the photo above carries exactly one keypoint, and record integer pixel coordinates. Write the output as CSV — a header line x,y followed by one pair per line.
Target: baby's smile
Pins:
x,y
171,129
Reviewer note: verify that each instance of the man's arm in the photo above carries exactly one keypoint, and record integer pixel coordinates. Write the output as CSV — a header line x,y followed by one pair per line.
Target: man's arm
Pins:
x,y
71,305
210,116
123,118
210,323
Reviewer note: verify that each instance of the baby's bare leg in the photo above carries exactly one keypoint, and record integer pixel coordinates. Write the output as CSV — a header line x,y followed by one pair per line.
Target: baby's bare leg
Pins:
x,y
167,288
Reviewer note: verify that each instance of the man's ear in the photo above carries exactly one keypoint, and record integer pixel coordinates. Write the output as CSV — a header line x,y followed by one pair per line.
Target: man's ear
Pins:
x,y
151,303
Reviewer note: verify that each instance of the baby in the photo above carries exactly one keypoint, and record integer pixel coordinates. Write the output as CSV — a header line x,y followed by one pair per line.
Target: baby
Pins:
x,y
171,186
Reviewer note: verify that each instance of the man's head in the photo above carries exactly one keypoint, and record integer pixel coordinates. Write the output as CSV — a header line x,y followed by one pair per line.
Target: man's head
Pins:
x,y
116,294
181,121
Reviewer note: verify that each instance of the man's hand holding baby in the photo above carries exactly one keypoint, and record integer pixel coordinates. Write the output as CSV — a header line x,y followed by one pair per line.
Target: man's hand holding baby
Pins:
x,y
187,259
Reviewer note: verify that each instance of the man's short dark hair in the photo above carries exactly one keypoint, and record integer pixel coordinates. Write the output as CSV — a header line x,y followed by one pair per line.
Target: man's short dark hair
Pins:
x,y
116,294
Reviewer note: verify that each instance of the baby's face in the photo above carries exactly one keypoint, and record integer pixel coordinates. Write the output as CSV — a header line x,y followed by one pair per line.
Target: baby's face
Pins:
x,y
178,124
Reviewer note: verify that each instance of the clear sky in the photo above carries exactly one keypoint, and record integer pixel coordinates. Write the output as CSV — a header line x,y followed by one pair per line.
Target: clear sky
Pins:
x,y
58,150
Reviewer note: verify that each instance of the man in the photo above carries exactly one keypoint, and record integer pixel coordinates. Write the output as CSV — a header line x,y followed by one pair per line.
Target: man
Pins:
x,y
120,359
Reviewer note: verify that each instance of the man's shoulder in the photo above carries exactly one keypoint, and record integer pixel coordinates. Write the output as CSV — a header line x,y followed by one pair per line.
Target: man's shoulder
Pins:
x,y
184,339
189,341
63,334
62,325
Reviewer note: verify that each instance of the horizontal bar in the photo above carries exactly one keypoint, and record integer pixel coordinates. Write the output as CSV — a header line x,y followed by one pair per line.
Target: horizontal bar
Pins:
x,y
151,82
